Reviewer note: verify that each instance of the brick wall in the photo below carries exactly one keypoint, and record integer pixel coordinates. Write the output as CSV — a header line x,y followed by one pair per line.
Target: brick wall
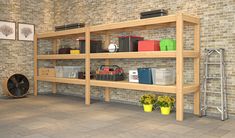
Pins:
x,y
17,56
217,30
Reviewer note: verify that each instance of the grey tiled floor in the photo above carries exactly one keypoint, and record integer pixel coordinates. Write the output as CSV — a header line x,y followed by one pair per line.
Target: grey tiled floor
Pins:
x,y
57,116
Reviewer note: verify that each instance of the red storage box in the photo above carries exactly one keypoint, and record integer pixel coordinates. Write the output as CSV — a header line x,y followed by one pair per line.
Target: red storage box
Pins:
x,y
149,45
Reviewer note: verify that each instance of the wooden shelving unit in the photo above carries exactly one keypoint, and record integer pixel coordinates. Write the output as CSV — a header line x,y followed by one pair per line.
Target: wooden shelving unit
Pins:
x,y
180,89
61,56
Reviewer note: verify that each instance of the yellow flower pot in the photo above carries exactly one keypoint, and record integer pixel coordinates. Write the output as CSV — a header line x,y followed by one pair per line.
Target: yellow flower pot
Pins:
x,y
148,107
165,110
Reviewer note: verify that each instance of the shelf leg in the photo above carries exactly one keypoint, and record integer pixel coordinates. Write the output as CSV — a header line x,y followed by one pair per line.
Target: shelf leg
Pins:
x,y
107,62
54,49
179,107
107,95
35,65
35,87
179,68
197,70
196,110
87,65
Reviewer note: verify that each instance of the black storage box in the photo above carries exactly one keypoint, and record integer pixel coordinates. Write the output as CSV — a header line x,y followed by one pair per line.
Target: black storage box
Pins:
x,y
128,43
96,46
69,26
64,50
155,13
145,75
82,75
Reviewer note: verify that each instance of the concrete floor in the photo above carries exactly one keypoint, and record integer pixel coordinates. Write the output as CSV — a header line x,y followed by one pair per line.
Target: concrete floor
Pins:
x,y
57,116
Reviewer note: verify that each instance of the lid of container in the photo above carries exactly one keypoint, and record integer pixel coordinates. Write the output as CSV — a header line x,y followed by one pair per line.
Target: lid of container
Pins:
x,y
131,36
153,12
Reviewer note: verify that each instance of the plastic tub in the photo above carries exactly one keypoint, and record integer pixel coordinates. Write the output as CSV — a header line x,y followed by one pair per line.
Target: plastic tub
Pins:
x,y
163,76
67,71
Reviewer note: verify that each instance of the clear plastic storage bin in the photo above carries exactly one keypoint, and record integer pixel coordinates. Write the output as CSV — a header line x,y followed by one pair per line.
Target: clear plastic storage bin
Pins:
x,y
67,71
59,71
163,76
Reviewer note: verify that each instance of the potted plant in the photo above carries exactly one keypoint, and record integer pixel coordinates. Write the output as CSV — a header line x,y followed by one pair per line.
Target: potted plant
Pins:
x,y
147,101
165,103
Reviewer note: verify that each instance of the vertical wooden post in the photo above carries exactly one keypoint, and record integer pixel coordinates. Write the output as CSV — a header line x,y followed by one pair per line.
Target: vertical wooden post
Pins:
x,y
87,65
107,62
197,69
54,49
35,65
179,68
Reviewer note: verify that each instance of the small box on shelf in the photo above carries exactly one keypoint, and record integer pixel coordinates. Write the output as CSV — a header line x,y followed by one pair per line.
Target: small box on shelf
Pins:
x,y
163,76
67,71
129,43
148,45
96,46
74,51
167,45
145,75
133,76
47,72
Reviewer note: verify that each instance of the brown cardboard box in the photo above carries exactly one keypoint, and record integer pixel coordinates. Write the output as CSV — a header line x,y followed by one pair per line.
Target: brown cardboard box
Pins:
x,y
49,72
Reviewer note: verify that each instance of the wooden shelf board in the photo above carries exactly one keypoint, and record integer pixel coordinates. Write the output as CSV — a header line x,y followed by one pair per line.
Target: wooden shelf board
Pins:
x,y
191,19
191,88
62,56
191,54
134,23
188,88
149,54
138,28
61,80
61,33
134,86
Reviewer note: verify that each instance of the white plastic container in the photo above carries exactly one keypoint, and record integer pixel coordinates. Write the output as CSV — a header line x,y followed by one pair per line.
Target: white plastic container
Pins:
x,y
59,71
67,71
133,76
163,76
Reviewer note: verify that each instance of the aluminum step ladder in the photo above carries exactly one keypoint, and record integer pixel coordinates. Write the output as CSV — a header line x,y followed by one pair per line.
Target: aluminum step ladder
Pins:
x,y
221,77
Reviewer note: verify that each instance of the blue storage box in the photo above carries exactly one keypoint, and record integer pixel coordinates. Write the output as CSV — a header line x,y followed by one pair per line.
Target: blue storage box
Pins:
x,y
145,75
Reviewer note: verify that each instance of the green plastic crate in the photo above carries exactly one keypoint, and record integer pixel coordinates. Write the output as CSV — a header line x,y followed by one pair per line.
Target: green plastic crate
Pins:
x,y
167,45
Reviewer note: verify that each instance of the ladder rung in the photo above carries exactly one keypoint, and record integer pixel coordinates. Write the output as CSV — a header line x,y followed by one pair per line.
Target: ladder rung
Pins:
x,y
211,106
212,92
211,77
210,49
212,63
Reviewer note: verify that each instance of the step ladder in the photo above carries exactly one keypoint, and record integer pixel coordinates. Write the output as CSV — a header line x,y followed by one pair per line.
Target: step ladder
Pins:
x,y
221,77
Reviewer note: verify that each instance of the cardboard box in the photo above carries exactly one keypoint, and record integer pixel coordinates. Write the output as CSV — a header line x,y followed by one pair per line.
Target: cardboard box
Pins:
x,y
148,45
48,72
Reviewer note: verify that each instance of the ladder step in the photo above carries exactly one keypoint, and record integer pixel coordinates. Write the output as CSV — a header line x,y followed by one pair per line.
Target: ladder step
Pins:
x,y
212,77
211,92
212,63
210,49
212,106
